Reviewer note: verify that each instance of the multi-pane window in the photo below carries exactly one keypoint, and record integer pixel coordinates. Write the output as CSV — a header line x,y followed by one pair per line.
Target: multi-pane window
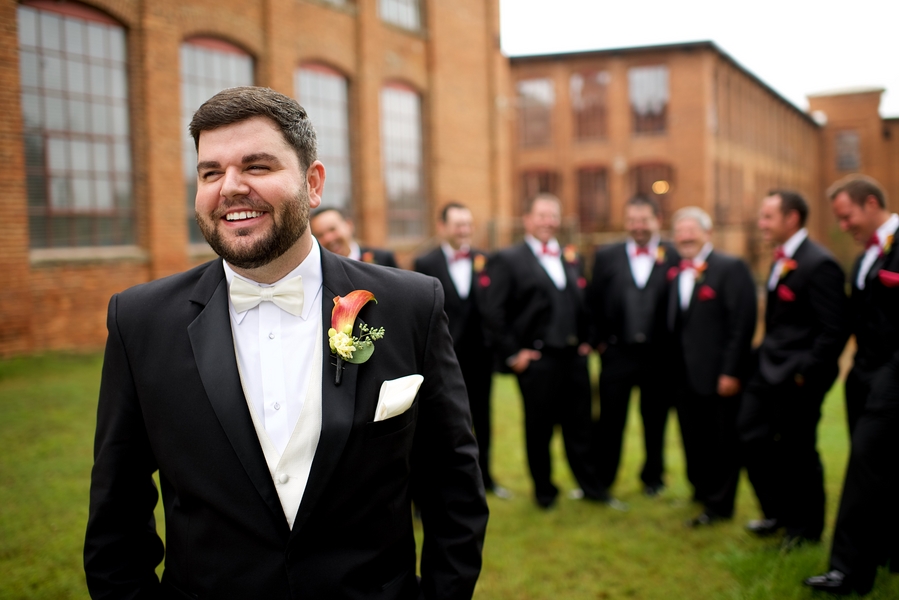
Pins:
x,y
323,93
535,182
402,159
593,198
535,102
405,13
655,181
849,156
75,124
648,90
207,67
589,104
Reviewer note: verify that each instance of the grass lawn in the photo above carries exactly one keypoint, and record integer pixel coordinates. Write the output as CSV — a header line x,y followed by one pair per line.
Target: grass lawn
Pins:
x,y
578,551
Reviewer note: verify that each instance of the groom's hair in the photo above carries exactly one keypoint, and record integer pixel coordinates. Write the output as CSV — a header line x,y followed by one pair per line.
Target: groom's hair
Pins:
x,y
237,104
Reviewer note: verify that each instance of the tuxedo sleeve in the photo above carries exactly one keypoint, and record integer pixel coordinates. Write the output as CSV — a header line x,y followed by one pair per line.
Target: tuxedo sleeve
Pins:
x,y
828,301
496,308
121,548
742,312
447,482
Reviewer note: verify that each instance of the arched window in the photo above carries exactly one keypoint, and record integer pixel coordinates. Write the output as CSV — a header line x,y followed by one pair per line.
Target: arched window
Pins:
x,y
208,66
73,69
402,160
323,93
649,94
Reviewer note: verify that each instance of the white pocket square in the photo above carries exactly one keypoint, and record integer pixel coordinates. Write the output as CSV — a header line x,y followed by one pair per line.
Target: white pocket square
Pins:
x,y
396,396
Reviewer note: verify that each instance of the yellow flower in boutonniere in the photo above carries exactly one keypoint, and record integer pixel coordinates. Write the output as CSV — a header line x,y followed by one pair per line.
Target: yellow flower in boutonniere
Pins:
x,y
479,262
346,346
660,254
789,265
887,245
570,254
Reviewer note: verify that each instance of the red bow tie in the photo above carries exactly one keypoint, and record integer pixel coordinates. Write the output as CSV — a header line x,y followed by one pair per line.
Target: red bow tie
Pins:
x,y
641,250
461,254
547,251
779,253
687,264
874,240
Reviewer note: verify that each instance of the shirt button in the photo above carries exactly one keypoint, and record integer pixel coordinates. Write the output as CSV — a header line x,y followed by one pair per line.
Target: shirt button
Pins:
x,y
283,477
271,336
276,406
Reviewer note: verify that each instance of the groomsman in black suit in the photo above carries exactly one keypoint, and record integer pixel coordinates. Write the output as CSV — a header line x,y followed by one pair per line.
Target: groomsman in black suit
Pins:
x,y
460,268
712,316
335,231
628,297
539,328
867,526
806,327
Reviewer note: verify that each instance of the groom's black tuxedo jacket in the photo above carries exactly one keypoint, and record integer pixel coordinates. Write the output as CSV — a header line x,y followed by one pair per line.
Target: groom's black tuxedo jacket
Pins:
x,y
171,399
714,333
875,313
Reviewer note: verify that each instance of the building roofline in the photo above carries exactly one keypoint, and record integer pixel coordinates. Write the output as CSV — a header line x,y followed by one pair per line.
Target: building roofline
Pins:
x,y
682,46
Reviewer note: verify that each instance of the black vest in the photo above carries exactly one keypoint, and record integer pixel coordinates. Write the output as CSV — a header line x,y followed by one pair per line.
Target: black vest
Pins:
x,y
639,313
562,329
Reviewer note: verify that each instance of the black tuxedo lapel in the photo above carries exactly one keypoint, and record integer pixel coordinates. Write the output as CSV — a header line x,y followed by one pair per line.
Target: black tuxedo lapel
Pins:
x,y
536,264
213,347
338,401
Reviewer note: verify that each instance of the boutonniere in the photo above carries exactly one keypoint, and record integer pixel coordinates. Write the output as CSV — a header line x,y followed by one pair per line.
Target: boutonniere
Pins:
x,y
355,349
660,254
887,245
706,293
570,254
700,272
479,262
368,257
788,265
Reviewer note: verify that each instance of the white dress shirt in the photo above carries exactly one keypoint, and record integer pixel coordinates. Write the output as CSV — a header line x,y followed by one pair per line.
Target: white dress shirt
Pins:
x,y
355,251
873,252
641,266
459,269
551,263
789,247
274,349
686,281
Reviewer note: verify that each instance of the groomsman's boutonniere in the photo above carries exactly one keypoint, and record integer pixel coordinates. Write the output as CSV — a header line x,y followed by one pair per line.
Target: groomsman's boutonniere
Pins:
x,y
346,346
570,254
479,262
368,257
660,254
700,271
887,244
789,265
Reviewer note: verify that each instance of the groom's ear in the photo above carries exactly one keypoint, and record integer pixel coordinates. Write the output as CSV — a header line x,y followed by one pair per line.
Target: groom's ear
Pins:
x,y
315,183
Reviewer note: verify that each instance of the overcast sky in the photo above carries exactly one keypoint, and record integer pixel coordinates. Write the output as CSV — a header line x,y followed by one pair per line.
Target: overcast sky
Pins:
x,y
798,47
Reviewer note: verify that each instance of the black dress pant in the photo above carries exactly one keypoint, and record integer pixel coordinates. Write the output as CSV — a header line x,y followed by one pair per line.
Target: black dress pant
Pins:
x,y
868,522
556,390
477,371
858,386
624,368
778,426
708,426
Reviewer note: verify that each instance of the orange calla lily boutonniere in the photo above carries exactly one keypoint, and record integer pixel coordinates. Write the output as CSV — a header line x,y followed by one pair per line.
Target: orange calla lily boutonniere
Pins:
x,y
887,245
660,254
368,257
479,262
700,271
570,254
789,265
346,346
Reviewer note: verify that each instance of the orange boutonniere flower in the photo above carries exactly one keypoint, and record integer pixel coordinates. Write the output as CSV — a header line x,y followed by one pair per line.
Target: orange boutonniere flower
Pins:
x,y
700,271
660,254
368,257
346,346
479,262
570,254
887,245
789,265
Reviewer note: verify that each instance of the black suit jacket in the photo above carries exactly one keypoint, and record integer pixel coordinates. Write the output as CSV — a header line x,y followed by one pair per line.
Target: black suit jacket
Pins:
x,y
519,300
465,316
875,313
171,399
606,299
376,256
806,320
714,334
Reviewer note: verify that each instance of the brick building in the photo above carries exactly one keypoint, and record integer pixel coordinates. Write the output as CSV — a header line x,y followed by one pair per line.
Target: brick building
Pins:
x,y
100,169
687,124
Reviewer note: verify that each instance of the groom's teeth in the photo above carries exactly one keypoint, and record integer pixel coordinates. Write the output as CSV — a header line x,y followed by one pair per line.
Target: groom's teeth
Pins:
x,y
239,216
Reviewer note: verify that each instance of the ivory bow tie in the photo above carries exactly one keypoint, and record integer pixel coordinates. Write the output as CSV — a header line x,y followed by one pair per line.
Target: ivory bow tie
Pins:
x,y
287,295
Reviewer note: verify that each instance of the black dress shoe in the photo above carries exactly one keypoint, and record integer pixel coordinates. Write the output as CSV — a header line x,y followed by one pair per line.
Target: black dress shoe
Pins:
x,y
833,582
704,519
763,527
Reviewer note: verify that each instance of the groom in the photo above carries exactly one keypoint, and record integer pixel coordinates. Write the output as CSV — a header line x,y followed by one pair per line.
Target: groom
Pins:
x,y
278,481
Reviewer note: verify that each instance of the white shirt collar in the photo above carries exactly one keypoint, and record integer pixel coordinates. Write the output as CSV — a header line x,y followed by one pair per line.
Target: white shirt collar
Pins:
x,y
888,228
450,253
792,244
537,246
653,245
310,270
355,251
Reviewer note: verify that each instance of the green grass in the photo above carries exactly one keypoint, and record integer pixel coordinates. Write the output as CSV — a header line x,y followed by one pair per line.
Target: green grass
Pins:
x,y
578,551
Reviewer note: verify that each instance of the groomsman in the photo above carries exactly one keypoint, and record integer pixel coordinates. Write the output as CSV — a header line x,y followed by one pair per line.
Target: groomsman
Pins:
x,y
539,326
867,523
460,269
335,231
712,316
806,327
628,296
